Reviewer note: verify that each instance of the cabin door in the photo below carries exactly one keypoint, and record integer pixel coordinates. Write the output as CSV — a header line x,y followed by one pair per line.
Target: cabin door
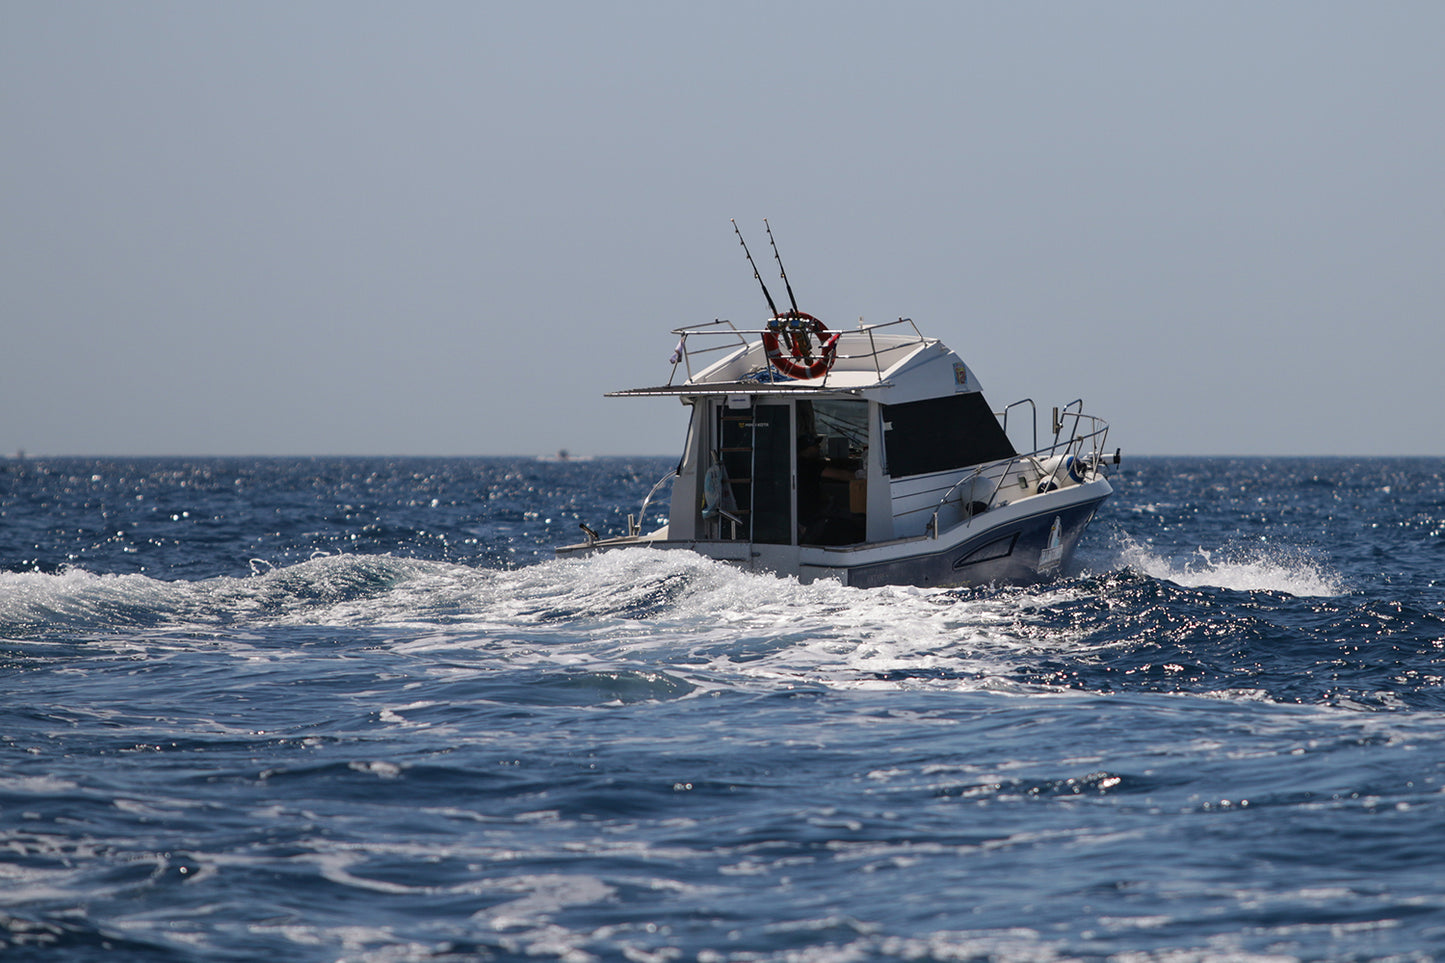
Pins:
x,y
755,448
773,474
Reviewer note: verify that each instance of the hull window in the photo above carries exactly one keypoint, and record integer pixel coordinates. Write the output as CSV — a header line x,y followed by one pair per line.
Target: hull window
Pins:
x,y
1001,548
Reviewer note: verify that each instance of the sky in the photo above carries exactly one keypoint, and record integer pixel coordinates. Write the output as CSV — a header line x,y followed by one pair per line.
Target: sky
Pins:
x,y
449,227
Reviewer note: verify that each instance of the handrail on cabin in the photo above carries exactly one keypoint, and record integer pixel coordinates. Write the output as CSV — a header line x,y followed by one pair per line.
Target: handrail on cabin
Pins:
x,y
634,527
1032,407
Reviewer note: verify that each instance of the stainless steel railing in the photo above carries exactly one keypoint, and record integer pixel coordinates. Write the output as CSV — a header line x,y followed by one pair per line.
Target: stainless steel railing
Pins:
x,y
723,335
1086,431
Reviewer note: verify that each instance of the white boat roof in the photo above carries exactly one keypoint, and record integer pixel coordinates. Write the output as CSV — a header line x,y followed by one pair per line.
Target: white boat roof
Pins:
x,y
892,363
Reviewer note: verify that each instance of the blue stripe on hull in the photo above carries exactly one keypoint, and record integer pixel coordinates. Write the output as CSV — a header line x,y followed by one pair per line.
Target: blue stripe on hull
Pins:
x,y
1009,553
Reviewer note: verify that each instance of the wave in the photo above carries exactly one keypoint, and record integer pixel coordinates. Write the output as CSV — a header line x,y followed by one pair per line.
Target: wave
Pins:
x,y
1242,568
76,600
355,590
639,609
685,591
646,624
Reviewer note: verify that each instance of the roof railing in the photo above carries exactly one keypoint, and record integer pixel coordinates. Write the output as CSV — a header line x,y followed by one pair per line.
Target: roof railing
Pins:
x,y
723,335
683,355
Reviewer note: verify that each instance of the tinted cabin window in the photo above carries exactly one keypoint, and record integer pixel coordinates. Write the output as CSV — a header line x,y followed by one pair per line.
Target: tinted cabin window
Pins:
x,y
942,433
772,475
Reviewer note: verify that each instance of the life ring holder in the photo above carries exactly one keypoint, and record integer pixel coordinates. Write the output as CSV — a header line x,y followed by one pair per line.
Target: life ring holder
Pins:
x,y
798,328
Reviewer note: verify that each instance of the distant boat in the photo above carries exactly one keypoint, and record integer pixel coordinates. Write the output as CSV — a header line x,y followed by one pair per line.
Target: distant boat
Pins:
x,y
868,456
564,455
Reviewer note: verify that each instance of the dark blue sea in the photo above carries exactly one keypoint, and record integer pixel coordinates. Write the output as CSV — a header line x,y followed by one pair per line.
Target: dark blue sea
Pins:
x,y
354,709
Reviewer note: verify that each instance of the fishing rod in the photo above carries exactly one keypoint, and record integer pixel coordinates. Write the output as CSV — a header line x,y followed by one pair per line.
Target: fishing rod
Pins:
x,y
779,258
771,307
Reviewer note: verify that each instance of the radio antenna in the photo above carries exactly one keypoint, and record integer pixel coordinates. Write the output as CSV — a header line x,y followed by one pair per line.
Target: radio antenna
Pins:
x,y
771,307
779,258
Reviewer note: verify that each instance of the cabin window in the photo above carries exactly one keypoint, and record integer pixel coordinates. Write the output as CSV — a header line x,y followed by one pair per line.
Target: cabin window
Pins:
x,y
832,471
940,434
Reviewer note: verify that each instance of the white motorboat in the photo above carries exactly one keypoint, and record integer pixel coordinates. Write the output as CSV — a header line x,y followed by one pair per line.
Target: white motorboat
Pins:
x,y
868,456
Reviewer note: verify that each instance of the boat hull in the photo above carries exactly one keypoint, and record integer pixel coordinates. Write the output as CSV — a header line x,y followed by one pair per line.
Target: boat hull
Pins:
x,y
1018,551
1020,543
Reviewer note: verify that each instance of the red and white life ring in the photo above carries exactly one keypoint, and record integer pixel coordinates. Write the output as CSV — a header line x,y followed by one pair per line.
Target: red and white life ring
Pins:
x,y
797,329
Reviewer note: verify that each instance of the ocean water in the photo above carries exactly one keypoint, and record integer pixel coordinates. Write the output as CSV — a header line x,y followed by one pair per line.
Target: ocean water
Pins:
x,y
353,709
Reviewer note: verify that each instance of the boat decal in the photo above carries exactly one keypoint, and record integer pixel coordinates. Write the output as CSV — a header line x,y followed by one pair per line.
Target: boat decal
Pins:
x,y
1053,552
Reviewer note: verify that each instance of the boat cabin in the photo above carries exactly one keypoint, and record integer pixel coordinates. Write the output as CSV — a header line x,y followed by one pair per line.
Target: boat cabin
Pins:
x,y
869,455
